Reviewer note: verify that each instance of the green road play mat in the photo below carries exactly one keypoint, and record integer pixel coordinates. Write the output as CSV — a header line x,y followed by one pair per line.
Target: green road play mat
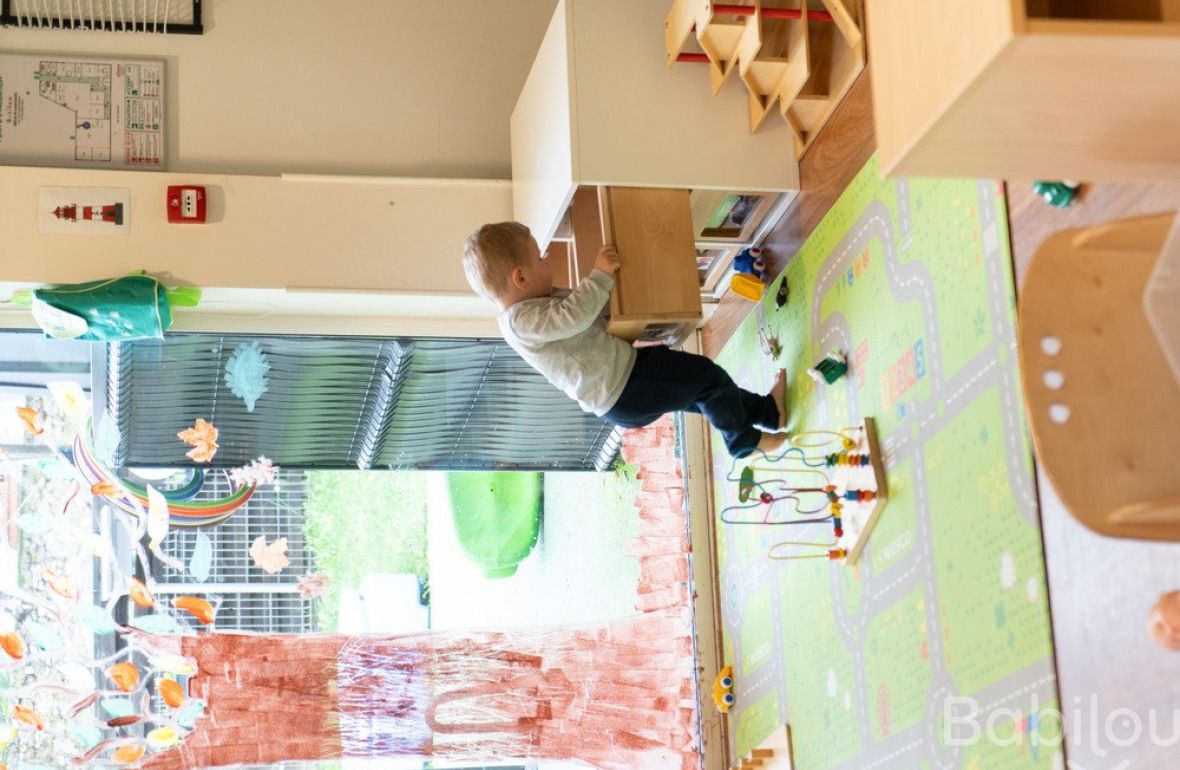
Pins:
x,y
913,281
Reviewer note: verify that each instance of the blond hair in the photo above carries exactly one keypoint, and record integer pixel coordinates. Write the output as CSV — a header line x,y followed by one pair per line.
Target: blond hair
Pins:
x,y
490,254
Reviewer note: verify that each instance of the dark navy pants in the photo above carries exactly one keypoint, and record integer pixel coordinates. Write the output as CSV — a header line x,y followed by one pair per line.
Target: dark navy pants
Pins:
x,y
666,380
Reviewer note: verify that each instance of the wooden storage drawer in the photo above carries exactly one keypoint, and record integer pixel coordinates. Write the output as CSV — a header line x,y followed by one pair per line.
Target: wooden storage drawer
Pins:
x,y
657,289
657,293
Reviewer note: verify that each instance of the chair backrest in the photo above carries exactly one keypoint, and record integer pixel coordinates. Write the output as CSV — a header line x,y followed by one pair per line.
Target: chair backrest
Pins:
x,y
1103,405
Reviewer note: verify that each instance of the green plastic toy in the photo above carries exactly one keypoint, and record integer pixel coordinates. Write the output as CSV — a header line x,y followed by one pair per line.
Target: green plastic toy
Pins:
x,y
1058,194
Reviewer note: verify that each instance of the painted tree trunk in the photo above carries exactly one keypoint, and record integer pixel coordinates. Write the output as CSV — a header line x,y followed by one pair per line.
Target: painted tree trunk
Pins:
x,y
618,695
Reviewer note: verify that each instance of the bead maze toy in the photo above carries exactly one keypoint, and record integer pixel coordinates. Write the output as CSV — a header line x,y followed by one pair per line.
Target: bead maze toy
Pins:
x,y
828,478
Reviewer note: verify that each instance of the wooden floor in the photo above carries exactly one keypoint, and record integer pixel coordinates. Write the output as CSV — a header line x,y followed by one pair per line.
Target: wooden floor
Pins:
x,y
835,156
1100,589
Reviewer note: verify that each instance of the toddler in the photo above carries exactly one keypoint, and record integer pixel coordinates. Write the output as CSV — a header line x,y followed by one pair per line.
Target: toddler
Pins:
x,y
563,336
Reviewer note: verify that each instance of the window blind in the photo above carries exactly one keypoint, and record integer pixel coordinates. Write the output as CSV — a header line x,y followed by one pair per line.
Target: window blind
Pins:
x,y
150,16
352,403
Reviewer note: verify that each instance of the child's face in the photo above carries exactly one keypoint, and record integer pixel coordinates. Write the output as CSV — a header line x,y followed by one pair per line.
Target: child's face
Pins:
x,y
538,272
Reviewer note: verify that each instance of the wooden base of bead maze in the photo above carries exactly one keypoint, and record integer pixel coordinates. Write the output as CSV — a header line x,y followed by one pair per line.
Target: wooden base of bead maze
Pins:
x,y
774,753
859,520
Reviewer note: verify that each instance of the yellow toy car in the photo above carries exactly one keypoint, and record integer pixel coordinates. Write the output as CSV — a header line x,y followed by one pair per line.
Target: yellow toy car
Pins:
x,y
723,689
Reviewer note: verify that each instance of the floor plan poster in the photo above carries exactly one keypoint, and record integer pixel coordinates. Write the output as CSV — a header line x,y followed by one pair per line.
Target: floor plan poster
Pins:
x,y
69,111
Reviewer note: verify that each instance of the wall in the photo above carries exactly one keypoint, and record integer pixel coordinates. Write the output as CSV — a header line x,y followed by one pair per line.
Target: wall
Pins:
x,y
384,87
369,250
316,91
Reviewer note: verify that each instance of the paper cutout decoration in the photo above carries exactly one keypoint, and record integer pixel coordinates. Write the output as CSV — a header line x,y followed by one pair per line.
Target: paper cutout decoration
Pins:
x,y
188,714
171,691
124,675
157,519
7,735
182,509
258,472
98,620
31,418
33,523
117,708
60,584
86,735
313,586
202,437
42,635
158,624
106,439
196,606
13,645
129,753
245,374
140,594
177,665
200,564
162,738
71,398
270,558
26,715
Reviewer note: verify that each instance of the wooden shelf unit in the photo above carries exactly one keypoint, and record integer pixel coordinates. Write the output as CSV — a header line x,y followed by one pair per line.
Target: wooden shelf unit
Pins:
x,y
836,54
601,110
804,65
1027,89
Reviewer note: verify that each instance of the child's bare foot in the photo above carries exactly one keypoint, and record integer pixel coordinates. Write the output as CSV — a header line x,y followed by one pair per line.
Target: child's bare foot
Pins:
x,y
778,392
771,442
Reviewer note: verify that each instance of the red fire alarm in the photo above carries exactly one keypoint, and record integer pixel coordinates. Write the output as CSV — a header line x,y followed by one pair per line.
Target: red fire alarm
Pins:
x,y
186,203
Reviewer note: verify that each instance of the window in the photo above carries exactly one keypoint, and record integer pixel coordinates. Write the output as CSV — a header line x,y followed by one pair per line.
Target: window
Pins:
x,y
352,403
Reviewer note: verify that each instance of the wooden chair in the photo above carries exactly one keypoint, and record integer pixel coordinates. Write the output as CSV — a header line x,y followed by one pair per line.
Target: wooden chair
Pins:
x,y
1103,404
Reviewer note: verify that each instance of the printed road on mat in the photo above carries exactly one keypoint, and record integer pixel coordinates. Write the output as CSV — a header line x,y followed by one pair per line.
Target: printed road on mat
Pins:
x,y
947,614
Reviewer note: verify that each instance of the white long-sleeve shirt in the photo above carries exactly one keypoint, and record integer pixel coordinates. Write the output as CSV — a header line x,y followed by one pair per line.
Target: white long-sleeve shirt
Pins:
x,y
565,339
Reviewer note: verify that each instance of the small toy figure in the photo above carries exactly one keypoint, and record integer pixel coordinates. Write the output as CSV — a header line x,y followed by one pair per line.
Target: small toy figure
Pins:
x,y
830,369
723,690
751,262
1057,194
749,274
781,296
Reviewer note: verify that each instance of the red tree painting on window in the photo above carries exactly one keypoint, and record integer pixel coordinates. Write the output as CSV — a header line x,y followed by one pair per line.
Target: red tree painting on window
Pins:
x,y
618,695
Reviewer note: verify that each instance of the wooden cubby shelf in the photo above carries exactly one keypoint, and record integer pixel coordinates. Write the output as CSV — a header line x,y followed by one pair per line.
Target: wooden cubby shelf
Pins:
x,y
802,55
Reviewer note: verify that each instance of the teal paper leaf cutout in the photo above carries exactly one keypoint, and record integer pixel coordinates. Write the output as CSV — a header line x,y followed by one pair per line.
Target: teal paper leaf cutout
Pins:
x,y
98,620
117,707
158,624
245,374
189,712
200,564
42,635
106,439
34,523
86,735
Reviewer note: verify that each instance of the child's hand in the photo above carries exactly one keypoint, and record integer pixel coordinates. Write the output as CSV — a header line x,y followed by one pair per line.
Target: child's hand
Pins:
x,y
607,259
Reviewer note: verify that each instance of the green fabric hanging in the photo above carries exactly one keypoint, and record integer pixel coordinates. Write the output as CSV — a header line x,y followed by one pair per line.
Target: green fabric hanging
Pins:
x,y
126,308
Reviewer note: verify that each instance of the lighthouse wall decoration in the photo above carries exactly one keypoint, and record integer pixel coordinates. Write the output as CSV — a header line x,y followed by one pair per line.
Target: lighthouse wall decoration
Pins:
x,y
84,210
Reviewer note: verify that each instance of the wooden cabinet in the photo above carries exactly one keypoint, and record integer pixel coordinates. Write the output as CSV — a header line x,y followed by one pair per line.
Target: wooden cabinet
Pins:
x,y
1027,89
601,109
